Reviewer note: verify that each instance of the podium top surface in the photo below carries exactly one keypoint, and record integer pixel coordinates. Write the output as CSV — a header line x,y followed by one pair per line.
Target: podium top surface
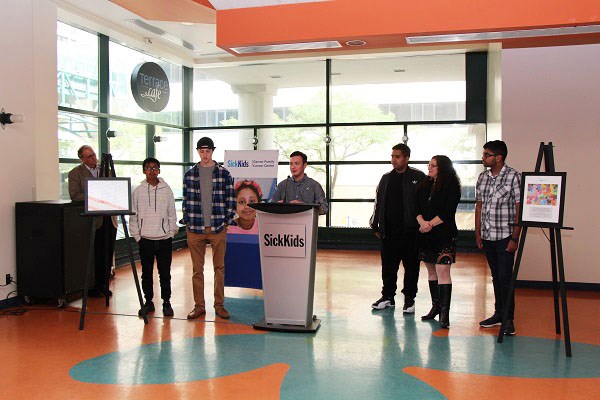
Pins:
x,y
60,203
283,208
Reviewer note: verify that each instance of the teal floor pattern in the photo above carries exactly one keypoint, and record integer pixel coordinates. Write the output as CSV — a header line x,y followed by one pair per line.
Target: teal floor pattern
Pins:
x,y
344,359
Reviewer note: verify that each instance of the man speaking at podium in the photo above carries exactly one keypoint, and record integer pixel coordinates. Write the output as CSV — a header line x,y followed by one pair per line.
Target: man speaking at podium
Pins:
x,y
299,188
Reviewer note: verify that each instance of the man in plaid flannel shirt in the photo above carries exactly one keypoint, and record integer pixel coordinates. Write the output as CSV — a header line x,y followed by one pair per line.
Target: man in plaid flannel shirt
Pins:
x,y
498,194
208,208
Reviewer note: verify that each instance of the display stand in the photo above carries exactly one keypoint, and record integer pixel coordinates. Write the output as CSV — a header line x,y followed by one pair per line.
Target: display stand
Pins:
x,y
288,242
107,169
556,254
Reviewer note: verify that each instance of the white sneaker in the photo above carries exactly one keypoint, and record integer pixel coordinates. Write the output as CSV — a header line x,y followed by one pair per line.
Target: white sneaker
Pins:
x,y
408,308
383,302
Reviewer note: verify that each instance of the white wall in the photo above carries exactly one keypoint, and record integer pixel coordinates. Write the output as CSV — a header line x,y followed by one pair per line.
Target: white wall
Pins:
x,y
494,92
553,95
28,151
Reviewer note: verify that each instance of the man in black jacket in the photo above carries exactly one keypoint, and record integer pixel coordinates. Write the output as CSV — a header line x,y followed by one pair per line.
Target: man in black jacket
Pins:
x,y
394,222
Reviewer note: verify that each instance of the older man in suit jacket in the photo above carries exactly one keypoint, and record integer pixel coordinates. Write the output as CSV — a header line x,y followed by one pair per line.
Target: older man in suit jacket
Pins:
x,y
89,168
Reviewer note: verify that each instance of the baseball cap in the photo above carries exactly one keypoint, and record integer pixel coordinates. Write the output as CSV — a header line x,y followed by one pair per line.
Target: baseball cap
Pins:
x,y
205,143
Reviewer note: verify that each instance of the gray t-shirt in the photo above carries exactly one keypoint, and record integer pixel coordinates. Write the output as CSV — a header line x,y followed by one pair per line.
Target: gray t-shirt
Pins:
x,y
206,192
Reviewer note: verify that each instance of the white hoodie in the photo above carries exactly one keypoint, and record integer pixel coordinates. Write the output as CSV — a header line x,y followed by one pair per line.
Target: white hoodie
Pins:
x,y
155,216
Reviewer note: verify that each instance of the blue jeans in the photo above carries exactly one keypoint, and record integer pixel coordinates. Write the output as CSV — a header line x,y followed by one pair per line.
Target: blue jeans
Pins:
x,y
501,264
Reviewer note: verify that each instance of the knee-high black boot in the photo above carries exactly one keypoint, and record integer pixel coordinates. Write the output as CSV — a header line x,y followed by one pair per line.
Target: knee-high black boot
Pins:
x,y
445,296
435,301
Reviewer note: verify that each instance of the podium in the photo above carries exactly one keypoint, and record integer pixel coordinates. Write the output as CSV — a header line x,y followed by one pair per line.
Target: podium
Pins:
x,y
288,244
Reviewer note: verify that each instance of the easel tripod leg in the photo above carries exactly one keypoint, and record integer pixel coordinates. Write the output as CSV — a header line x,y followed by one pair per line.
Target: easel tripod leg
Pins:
x,y
563,293
86,280
134,271
554,281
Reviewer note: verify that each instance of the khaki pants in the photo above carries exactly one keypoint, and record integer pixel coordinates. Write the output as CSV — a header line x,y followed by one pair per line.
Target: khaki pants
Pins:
x,y
197,244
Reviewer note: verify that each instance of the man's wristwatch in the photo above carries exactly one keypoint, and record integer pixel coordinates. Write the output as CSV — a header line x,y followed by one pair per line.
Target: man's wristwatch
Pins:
x,y
515,239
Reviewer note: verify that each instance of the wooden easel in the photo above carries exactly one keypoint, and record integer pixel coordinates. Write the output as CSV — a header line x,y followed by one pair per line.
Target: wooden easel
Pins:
x,y
556,254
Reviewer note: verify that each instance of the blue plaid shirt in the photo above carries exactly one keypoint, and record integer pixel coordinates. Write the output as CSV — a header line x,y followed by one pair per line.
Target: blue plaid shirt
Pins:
x,y
223,200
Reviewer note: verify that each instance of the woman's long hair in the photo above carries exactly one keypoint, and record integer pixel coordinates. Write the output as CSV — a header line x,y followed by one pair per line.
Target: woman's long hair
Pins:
x,y
446,173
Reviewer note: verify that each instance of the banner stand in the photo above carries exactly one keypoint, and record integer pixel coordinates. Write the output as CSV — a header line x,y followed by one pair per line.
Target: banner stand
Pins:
x,y
288,243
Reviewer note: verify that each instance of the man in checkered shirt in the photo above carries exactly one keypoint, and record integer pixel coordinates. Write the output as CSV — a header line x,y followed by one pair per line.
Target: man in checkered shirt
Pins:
x,y
498,194
208,208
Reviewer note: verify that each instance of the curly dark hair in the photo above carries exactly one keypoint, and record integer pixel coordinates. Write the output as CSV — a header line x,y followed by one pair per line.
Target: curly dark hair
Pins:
x,y
446,173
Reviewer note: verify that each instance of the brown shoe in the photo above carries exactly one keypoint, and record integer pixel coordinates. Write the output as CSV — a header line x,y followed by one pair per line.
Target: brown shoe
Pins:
x,y
196,312
222,313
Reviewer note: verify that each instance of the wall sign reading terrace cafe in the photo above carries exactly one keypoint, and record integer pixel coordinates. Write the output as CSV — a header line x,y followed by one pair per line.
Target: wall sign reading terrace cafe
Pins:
x,y
150,87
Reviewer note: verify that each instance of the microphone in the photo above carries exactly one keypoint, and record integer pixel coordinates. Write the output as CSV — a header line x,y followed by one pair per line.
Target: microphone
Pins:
x,y
285,191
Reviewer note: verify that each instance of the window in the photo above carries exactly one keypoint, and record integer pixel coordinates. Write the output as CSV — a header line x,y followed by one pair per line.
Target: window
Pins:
x,y
310,141
418,88
375,103
77,68
170,148
260,94
230,139
131,144
123,61
74,131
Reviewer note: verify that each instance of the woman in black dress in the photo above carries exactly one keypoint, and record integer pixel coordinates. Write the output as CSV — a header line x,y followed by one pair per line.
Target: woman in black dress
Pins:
x,y
437,199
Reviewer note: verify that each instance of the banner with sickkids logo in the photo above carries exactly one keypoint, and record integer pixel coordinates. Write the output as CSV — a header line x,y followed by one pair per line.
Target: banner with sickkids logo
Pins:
x,y
255,180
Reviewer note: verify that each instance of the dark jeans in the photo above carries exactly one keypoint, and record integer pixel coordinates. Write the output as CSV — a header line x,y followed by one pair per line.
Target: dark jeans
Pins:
x,y
163,251
102,264
393,250
501,264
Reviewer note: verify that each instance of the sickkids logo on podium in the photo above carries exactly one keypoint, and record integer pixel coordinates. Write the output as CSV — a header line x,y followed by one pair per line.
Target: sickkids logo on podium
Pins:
x,y
284,240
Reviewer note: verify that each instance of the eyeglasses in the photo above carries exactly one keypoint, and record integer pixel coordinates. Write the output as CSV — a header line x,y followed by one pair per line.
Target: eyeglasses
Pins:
x,y
488,155
89,156
152,169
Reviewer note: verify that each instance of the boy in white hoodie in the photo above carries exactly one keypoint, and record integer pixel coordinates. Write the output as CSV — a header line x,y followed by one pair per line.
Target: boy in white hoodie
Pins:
x,y
153,226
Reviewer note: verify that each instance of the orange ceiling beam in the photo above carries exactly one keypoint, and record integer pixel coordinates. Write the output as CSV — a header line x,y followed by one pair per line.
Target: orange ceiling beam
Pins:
x,y
386,23
193,11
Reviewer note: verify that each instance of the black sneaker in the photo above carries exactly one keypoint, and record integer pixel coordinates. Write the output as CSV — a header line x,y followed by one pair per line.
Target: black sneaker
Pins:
x,y
384,302
149,306
509,329
409,306
494,320
167,309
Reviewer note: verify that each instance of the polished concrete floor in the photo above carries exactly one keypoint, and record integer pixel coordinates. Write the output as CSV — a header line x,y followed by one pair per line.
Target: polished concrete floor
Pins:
x,y
356,354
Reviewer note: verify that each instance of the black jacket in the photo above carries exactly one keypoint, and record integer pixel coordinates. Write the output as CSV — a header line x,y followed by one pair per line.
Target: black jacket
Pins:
x,y
411,179
442,203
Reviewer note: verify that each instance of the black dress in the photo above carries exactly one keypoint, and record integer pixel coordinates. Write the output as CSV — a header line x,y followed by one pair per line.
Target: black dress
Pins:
x,y
438,246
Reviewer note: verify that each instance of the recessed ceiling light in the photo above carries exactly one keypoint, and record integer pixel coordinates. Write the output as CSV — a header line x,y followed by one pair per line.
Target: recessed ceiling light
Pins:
x,y
276,76
161,32
355,43
287,47
528,33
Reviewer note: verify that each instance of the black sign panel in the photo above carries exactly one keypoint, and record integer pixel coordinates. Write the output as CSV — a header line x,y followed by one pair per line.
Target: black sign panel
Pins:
x,y
150,87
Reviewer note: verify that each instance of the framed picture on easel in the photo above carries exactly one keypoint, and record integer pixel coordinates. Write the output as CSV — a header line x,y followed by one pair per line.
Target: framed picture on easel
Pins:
x,y
542,199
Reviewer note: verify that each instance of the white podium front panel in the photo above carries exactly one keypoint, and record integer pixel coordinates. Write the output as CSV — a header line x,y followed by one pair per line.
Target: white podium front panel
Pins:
x,y
287,262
